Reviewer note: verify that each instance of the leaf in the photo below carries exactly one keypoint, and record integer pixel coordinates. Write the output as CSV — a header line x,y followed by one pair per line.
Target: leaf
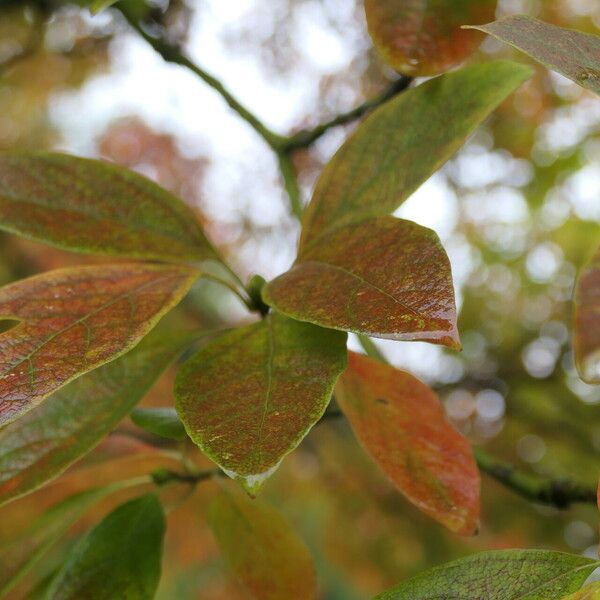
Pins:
x,y
424,37
586,327
574,54
380,276
401,144
261,549
163,422
119,558
76,319
589,592
250,397
19,555
92,206
500,575
403,427
43,443
98,6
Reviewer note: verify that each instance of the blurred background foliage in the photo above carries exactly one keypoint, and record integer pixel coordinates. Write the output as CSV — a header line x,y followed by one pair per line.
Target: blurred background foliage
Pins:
x,y
518,210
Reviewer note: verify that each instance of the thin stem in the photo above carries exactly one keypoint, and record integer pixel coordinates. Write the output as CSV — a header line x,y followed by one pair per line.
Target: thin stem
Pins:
x,y
307,137
560,493
230,286
290,180
174,54
371,348
166,476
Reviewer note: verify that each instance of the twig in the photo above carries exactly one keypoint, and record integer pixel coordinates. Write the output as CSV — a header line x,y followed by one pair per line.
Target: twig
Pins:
x,y
307,137
560,493
173,53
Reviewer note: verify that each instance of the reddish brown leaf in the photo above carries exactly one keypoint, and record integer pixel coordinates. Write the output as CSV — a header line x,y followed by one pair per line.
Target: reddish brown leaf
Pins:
x,y
424,37
402,426
262,550
384,277
587,322
74,320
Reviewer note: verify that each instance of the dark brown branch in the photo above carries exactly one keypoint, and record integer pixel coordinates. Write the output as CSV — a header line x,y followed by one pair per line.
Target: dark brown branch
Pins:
x,y
306,137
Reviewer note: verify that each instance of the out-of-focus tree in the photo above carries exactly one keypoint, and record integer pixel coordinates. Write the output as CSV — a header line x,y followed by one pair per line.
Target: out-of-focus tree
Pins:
x,y
515,208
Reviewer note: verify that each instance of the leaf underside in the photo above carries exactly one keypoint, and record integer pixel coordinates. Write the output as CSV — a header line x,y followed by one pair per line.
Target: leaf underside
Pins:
x,y
574,54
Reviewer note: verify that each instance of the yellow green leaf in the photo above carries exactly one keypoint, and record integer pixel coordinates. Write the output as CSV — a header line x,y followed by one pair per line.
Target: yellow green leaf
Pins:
x,y
93,206
401,144
589,592
249,398
500,575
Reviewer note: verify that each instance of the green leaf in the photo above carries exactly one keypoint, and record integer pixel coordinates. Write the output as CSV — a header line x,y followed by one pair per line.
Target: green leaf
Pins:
x,y
574,54
119,558
98,6
586,327
261,549
43,443
424,37
380,276
163,422
20,553
401,144
96,207
403,426
250,397
74,320
589,592
501,575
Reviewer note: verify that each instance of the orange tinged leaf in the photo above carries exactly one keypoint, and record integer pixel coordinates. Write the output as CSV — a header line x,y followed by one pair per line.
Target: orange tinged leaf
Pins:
x,y
382,276
74,320
93,206
402,426
262,550
424,37
587,322
249,398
